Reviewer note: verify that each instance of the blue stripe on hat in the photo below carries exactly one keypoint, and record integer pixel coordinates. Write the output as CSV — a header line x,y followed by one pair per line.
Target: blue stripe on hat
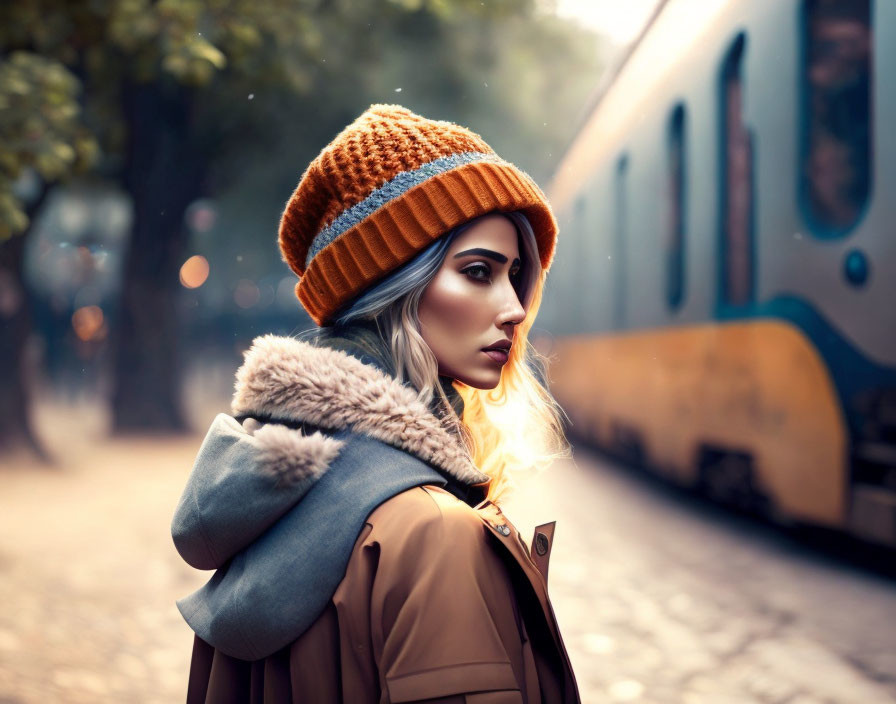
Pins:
x,y
389,191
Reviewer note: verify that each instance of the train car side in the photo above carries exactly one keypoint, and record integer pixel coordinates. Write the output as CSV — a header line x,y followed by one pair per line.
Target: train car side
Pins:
x,y
721,311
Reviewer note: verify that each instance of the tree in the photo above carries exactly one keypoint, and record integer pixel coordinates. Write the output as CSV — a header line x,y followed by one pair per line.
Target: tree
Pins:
x,y
43,136
172,89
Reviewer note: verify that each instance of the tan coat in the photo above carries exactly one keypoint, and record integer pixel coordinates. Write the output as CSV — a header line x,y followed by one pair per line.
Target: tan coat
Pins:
x,y
441,601
437,605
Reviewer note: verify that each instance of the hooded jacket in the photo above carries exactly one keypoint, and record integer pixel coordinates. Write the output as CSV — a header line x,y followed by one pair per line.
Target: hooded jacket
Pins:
x,y
349,529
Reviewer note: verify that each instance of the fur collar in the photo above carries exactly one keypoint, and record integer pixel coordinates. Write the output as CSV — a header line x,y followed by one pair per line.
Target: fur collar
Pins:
x,y
287,379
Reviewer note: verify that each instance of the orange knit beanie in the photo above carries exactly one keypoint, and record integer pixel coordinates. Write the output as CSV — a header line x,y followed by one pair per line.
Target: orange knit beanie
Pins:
x,y
385,188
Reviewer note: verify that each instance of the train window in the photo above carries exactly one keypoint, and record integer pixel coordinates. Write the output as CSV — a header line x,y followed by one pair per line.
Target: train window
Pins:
x,y
676,209
835,175
620,228
736,192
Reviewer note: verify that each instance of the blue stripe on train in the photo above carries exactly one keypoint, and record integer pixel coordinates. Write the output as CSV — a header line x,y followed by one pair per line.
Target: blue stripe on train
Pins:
x,y
853,373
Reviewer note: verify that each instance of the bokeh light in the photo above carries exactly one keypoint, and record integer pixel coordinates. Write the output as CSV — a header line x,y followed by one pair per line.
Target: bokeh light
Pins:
x,y
88,323
194,271
246,293
201,215
286,293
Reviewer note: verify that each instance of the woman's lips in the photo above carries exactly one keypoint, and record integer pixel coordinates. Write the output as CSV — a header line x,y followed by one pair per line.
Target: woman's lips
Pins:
x,y
499,356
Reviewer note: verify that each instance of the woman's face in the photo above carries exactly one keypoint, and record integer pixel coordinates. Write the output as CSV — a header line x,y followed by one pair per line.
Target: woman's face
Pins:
x,y
472,303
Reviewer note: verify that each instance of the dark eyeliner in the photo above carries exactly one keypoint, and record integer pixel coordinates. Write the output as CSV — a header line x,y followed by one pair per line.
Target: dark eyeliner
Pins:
x,y
475,267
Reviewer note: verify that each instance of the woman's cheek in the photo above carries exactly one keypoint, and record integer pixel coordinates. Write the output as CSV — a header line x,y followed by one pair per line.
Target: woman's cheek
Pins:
x,y
457,306
445,300
448,313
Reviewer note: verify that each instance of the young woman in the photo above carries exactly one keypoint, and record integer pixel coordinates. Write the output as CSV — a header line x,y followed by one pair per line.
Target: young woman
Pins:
x,y
350,505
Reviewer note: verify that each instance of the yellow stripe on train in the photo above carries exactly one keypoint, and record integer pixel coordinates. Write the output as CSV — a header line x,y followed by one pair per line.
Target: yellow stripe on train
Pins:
x,y
757,387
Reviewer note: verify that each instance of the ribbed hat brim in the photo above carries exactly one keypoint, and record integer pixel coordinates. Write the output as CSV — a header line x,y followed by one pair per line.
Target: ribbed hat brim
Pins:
x,y
393,235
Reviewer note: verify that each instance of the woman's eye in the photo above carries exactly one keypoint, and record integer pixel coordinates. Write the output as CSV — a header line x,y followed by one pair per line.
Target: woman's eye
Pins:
x,y
479,272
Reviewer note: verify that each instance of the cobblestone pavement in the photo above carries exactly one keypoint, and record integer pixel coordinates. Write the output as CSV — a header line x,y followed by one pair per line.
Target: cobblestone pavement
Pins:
x,y
665,599
89,575
657,603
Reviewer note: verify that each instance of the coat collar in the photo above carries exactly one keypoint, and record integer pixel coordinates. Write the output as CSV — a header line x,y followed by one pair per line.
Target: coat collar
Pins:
x,y
286,379
363,340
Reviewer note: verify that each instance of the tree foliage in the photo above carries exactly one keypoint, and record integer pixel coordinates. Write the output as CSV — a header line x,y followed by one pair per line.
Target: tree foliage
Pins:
x,y
63,64
40,128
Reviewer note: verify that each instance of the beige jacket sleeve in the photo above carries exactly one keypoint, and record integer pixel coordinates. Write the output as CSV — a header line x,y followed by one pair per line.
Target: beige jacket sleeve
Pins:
x,y
443,620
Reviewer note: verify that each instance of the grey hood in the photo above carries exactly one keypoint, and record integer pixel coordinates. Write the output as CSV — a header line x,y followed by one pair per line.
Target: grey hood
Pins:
x,y
275,503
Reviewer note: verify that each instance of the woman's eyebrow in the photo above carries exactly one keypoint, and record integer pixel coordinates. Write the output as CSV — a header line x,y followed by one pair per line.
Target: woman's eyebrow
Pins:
x,y
497,256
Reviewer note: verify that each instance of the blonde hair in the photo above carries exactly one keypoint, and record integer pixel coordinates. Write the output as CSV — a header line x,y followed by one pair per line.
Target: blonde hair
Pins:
x,y
510,429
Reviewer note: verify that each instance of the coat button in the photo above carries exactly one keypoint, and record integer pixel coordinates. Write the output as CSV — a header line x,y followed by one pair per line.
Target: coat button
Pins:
x,y
541,543
503,530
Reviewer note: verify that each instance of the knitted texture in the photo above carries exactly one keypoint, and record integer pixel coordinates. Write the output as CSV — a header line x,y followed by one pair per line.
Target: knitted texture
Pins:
x,y
388,185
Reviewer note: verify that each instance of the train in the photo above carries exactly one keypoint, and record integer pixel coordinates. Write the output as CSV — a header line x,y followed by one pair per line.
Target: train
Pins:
x,y
722,304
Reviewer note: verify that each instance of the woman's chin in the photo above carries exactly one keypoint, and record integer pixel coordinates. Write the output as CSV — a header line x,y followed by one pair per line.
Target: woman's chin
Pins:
x,y
482,380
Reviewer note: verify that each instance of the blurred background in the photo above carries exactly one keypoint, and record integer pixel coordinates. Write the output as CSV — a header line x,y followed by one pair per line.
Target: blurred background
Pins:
x,y
719,315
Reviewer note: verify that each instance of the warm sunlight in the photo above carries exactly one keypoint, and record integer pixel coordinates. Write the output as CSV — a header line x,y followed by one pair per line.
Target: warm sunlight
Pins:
x,y
620,21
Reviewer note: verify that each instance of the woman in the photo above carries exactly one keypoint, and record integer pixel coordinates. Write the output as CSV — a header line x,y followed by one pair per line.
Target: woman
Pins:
x,y
350,504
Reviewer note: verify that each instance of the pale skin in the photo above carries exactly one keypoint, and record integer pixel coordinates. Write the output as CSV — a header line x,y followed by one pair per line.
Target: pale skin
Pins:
x,y
472,302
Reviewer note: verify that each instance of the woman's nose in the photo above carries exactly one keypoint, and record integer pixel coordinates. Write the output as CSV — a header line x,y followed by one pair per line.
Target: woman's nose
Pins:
x,y
511,309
